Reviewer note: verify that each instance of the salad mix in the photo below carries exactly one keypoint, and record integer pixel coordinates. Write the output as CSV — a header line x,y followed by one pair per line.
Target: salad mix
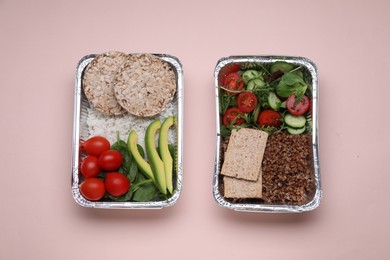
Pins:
x,y
270,97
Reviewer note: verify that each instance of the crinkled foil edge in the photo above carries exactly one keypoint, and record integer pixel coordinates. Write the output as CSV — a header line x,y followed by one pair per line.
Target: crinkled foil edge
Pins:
x,y
314,203
80,108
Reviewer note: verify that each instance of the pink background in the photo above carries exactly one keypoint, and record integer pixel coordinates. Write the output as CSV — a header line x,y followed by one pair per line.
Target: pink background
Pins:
x,y
40,45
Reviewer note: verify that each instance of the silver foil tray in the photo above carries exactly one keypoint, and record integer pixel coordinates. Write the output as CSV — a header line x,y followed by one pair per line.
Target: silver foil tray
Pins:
x,y
80,132
223,65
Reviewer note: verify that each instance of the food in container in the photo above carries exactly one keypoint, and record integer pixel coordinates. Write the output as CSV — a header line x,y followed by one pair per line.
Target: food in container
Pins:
x,y
106,86
267,134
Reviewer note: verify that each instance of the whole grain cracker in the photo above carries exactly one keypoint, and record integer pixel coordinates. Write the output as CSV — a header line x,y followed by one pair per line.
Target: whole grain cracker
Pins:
x,y
244,155
98,82
242,189
145,85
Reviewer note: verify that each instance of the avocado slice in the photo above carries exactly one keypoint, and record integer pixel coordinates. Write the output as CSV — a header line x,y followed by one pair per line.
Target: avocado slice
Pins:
x,y
164,151
155,161
133,148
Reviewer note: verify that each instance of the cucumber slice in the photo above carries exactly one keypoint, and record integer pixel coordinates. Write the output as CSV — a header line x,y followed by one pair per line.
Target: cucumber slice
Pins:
x,y
295,121
273,101
255,83
256,113
296,131
251,74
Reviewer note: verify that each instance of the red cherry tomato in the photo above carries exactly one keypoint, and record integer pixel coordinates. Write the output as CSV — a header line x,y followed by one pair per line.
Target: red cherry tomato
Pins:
x,y
92,189
270,118
234,67
116,183
110,160
233,114
90,167
299,108
96,145
246,102
234,82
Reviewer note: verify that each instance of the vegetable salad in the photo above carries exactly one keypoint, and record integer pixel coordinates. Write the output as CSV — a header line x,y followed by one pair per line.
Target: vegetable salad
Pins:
x,y
270,97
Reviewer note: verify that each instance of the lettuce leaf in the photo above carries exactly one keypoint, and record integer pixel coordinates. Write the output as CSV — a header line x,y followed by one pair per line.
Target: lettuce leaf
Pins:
x,y
291,83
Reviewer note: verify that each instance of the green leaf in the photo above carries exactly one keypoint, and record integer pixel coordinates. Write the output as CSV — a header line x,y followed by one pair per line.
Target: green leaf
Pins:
x,y
225,131
224,102
172,150
262,96
125,197
291,83
121,146
291,79
145,193
141,150
133,171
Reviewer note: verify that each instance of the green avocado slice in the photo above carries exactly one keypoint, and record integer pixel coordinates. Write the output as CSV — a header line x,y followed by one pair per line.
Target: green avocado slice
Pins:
x,y
155,161
142,164
164,151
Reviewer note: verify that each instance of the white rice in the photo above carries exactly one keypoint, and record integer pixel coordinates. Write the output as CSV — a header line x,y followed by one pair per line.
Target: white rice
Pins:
x,y
108,126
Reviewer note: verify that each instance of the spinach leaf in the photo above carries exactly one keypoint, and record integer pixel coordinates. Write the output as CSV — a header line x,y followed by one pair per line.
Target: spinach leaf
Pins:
x,y
133,171
141,150
292,83
121,146
172,150
125,197
146,192
292,79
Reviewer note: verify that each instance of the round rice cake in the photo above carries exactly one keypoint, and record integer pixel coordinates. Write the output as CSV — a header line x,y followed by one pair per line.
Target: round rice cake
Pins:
x,y
145,85
98,82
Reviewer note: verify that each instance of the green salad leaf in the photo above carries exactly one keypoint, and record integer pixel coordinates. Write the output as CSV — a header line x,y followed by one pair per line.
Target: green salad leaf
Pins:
x,y
121,146
125,197
291,83
145,192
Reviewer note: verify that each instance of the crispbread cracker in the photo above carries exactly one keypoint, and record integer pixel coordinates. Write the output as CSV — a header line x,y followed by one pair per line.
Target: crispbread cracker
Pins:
x,y
242,189
97,82
244,155
145,85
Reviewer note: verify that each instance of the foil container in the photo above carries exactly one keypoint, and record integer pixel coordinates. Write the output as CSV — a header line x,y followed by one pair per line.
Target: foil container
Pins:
x,y
222,68
80,133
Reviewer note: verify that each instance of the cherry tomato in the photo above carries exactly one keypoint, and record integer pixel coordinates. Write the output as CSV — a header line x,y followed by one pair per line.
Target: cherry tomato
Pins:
x,y
92,189
110,160
297,109
233,114
246,102
233,67
96,145
234,82
270,118
116,183
90,167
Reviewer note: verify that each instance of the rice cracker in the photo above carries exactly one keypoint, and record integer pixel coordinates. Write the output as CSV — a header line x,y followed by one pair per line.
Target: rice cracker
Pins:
x,y
145,85
98,82
244,154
